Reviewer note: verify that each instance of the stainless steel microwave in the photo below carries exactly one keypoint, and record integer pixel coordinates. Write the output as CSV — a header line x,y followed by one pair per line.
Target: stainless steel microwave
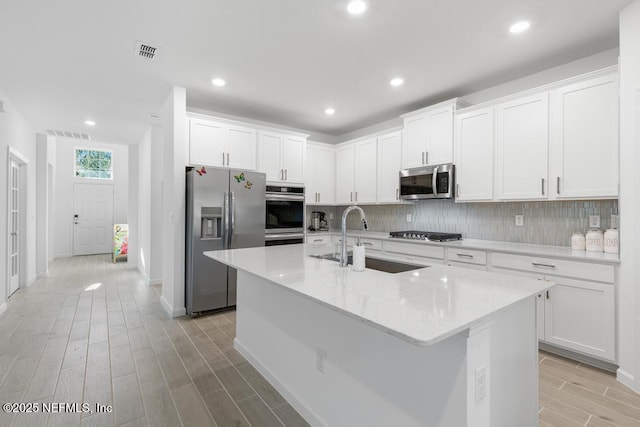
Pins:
x,y
427,182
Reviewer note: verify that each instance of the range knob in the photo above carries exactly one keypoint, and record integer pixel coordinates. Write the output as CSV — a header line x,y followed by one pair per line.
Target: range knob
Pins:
x,y
415,236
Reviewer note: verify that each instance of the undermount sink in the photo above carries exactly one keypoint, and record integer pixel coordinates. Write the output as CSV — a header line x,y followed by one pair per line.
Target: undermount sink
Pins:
x,y
384,265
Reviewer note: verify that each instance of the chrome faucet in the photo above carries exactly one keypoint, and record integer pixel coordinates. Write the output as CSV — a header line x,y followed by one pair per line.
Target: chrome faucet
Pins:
x,y
343,249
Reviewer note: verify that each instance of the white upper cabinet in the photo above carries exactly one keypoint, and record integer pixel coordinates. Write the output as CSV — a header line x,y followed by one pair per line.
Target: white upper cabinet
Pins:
x,y
241,148
428,136
585,139
345,174
320,174
522,144
389,165
282,157
219,144
474,155
366,171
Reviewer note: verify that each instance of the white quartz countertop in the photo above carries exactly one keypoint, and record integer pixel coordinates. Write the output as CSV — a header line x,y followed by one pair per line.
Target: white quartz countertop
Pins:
x,y
563,252
422,306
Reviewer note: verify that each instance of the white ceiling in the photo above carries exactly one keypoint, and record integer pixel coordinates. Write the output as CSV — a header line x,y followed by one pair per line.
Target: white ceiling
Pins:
x,y
284,61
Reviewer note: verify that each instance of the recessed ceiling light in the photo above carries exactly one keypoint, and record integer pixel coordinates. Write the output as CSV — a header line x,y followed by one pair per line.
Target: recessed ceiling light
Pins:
x,y
218,82
519,27
398,81
356,7
89,123
329,111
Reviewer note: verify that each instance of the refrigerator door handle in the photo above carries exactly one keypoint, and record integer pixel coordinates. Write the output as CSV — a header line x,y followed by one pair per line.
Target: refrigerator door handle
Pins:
x,y
232,218
225,210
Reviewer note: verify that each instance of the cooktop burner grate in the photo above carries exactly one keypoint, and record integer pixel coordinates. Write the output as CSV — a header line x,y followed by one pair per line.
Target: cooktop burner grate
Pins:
x,y
426,235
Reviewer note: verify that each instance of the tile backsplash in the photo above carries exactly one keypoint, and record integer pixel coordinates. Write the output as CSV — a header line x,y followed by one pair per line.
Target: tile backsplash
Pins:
x,y
547,223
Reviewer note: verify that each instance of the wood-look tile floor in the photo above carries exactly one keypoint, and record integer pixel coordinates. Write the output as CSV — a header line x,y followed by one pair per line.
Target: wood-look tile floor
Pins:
x,y
94,332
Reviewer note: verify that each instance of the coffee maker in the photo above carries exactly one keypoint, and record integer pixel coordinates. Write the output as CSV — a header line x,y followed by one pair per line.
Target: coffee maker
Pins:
x,y
318,221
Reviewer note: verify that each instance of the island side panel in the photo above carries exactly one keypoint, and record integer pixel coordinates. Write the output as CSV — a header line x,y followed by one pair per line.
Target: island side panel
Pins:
x,y
370,377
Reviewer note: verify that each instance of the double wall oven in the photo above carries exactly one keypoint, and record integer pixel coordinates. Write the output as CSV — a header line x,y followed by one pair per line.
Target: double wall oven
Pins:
x,y
284,223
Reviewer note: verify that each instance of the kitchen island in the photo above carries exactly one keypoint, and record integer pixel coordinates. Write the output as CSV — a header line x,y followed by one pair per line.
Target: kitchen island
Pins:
x,y
436,346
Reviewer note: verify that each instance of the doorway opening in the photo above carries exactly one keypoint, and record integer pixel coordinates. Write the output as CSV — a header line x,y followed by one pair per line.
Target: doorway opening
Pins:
x,y
16,219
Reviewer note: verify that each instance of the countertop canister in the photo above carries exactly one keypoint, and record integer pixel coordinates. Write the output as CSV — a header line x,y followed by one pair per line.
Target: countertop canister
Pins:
x,y
595,240
578,241
611,241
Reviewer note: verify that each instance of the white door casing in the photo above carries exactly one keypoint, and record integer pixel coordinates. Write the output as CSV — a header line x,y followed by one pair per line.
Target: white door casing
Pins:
x,y
93,219
14,226
16,195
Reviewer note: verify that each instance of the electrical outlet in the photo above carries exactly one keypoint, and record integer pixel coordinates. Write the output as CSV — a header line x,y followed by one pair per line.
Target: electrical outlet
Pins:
x,y
519,220
408,217
481,383
321,356
594,221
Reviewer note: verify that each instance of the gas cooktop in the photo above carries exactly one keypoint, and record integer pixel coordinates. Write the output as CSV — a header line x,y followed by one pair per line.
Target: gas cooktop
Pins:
x,y
426,235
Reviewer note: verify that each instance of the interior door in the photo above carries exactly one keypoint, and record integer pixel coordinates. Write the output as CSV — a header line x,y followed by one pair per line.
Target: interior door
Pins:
x,y
93,219
14,218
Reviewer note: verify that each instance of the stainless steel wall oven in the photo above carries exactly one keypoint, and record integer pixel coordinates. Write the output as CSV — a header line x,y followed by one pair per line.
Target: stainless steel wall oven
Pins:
x,y
284,222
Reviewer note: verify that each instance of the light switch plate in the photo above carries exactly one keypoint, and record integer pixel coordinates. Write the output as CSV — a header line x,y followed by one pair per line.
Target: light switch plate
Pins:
x,y
519,220
594,221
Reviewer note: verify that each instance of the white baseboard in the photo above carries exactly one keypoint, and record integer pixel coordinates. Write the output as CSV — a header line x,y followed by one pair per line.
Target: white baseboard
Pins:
x,y
627,379
3,307
144,275
293,400
173,312
42,275
155,281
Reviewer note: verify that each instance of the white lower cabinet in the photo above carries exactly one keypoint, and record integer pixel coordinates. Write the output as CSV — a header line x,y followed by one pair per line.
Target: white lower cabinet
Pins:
x,y
578,313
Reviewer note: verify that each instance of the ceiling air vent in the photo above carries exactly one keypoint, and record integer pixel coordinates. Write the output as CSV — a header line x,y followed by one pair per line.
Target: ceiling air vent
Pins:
x,y
146,51
66,134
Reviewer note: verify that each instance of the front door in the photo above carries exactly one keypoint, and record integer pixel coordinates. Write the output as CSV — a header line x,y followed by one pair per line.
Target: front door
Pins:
x,y
92,219
14,218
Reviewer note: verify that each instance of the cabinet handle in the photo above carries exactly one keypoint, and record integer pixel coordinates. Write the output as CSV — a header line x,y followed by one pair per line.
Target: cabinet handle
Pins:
x,y
543,186
351,193
547,294
423,157
281,174
222,159
465,255
356,196
318,197
426,157
286,174
228,159
317,240
457,189
367,243
397,194
558,185
538,264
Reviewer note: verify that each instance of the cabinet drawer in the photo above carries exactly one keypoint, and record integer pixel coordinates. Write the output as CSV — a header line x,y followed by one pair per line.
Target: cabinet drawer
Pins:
x,y
555,267
481,267
318,240
467,256
415,249
371,245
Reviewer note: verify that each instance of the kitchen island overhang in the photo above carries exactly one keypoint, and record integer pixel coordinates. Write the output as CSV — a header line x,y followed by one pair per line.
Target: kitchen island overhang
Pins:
x,y
439,346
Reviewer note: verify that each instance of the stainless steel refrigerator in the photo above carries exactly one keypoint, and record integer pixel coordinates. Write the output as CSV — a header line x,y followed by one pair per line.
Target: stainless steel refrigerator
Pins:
x,y
225,210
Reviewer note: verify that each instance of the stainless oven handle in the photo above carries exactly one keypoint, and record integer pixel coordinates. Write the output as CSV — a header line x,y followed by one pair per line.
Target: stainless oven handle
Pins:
x,y
434,181
283,236
280,196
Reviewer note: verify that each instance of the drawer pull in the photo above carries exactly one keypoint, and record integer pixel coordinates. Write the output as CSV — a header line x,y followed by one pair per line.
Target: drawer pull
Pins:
x,y
538,264
465,255
367,243
317,240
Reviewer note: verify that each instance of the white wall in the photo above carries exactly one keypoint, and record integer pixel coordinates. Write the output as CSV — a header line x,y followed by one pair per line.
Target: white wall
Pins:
x,y
133,209
65,180
17,133
628,289
173,206
144,205
156,217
